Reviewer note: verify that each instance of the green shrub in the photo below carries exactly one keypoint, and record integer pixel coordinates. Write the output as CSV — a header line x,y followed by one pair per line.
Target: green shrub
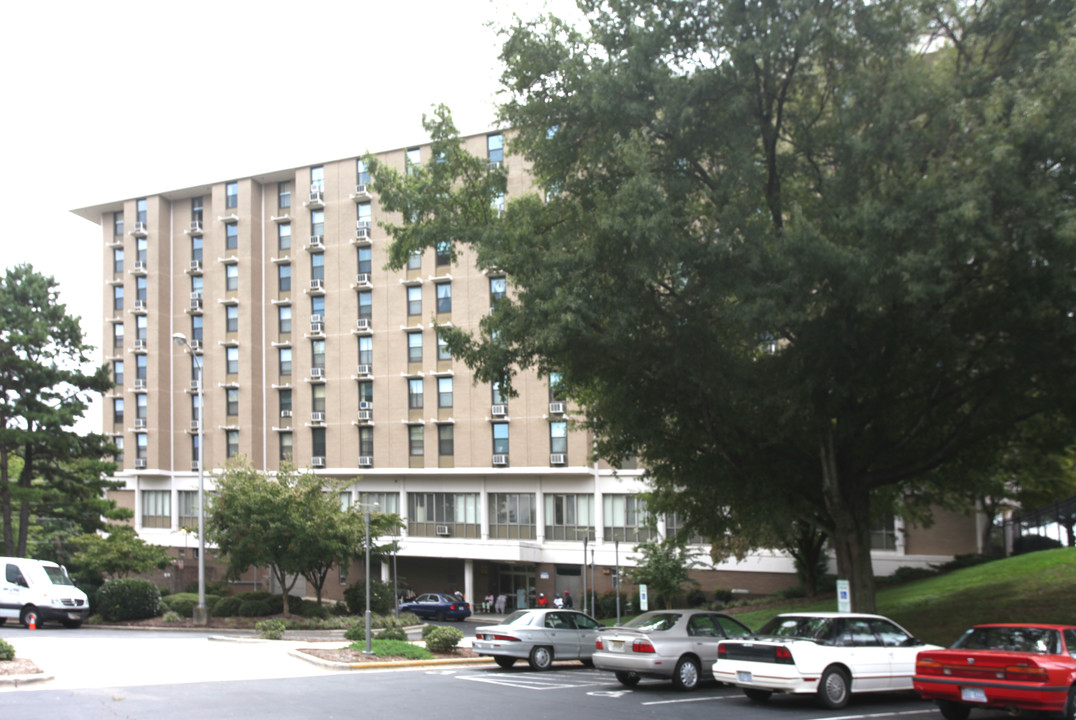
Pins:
x,y
392,633
443,639
723,596
270,629
314,611
408,619
227,607
7,650
254,608
395,648
183,604
356,633
427,629
172,617
696,597
381,598
128,599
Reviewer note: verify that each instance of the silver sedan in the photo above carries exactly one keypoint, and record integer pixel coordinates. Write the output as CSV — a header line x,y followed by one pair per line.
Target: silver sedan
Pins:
x,y
667,644
539,636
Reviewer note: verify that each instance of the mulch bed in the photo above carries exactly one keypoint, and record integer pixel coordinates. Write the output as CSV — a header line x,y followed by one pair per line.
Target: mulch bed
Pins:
x,y
18,666
348,655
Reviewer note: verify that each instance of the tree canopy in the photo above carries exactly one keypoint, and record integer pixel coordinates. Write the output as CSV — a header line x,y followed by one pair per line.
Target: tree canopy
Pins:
x,y
45,389
795,255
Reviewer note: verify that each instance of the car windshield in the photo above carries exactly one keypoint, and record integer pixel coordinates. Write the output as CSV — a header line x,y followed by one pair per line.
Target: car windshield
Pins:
x,y
1012,638
57,575
519,617
810,628
651,622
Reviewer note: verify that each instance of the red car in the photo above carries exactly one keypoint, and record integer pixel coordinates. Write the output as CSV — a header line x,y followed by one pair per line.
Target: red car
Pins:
x,y
1005,666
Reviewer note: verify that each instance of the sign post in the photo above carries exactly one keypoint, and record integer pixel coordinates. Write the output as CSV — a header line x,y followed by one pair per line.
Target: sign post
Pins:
x,y
844,596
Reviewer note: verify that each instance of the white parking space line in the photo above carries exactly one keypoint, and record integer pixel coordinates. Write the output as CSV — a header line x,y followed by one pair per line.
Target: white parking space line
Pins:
x,y
925,711
537,681
695,699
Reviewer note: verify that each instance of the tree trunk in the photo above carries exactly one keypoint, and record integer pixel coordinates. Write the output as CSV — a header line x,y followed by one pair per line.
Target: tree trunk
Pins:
x,y
848,503
26,479
5,504
285,586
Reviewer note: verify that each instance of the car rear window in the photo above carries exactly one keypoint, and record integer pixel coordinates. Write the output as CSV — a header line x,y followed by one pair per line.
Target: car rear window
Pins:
x,y
519,617
795,626
1012,638
653,622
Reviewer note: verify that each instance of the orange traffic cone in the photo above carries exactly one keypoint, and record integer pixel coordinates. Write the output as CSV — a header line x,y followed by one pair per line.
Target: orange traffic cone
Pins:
x,y
33,622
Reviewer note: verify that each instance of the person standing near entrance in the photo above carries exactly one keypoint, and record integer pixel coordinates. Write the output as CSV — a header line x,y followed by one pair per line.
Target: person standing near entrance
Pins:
x,y
567,600
502,601
542,601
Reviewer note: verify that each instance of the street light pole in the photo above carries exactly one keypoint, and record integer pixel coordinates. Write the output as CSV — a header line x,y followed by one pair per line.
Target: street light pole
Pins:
x,y
369,649
201,612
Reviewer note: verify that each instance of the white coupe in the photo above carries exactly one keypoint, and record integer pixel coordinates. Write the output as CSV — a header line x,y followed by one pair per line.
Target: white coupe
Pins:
x,y
831,655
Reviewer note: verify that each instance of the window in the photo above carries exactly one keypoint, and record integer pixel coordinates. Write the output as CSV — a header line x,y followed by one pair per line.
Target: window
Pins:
x,y
140,210
414,260
196,209
317,266
284,318
317,222
231,195
117,410
317,353
673,526
285,361
141,327
512,516
117,224
442,349
362,172
117,297
231,318
141,369
140,289
884,534
445,440
156,509
555,393
366,391
285,447
141,446
231,401
197,247
626,518
414,300
365,255
385,502
496,396
317,399
231,236
500,438
142,406
232,358
195,408
495,148
569,517
188,508
117,260
366,350
414,347
194,448
363,213
456,513
317,178
283,236
231,438
197,323
414,440
444,392
283,195
118,457
141,249
414,393
117,372
197,284
366,304
231,277
317,441
283,273
413,160
558,437
366,441
285,399
498,287
444,297
443,256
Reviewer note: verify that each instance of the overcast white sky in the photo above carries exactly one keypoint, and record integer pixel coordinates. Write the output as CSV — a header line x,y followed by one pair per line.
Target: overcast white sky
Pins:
x,y
115,99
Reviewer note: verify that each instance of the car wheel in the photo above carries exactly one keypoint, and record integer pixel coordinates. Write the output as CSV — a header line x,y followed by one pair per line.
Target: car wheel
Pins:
x,y
757,695
541,658
955,711
505,662
686,674
29,616
1070,706
628,679
834,689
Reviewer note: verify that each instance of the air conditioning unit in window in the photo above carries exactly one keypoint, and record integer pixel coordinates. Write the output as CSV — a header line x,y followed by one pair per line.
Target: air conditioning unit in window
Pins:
x,y
362,191
366,415
317,328
194,424
365,369
196,226
196,344
317,461
285,413
317,241
139,266
140,463
196,264
557,458
196,303
556,408
362,278
316,284
362,324
317,372
363,225
317,317
366,405
196,295
499,410
366,460
140,304
194,466
441,530
315,193
140,344
318,417
500,459
140,383
140,422
140,227
362,233
194,384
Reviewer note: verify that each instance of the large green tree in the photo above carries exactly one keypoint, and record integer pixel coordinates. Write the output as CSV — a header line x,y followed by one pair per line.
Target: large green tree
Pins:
x,y
44,390
791,253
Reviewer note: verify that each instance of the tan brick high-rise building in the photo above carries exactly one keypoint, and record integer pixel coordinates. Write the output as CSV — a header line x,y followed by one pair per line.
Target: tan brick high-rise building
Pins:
x,y
313,352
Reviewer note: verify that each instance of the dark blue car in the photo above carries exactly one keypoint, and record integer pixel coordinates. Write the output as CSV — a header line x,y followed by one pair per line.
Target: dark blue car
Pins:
x,y
438,606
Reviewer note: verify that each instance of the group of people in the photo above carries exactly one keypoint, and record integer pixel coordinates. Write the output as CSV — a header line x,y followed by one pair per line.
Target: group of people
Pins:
x,y
559,601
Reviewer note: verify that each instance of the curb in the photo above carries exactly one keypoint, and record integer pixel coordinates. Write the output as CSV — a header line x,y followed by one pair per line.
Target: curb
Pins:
x,y
17,680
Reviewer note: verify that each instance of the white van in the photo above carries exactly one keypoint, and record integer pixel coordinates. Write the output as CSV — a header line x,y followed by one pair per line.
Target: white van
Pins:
x,y
35,591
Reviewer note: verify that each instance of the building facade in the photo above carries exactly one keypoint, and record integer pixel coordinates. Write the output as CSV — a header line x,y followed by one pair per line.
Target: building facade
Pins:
x,y
312,352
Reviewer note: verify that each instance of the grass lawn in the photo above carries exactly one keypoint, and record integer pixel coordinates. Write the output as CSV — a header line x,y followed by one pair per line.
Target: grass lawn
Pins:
x,y
1035,587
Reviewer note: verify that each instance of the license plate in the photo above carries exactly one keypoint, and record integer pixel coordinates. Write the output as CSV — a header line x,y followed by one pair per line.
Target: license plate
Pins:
x,y
617,646
973,694
743,676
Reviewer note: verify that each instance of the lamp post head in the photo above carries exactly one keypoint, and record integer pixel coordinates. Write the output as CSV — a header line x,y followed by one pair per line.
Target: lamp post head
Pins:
x,y
179,339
